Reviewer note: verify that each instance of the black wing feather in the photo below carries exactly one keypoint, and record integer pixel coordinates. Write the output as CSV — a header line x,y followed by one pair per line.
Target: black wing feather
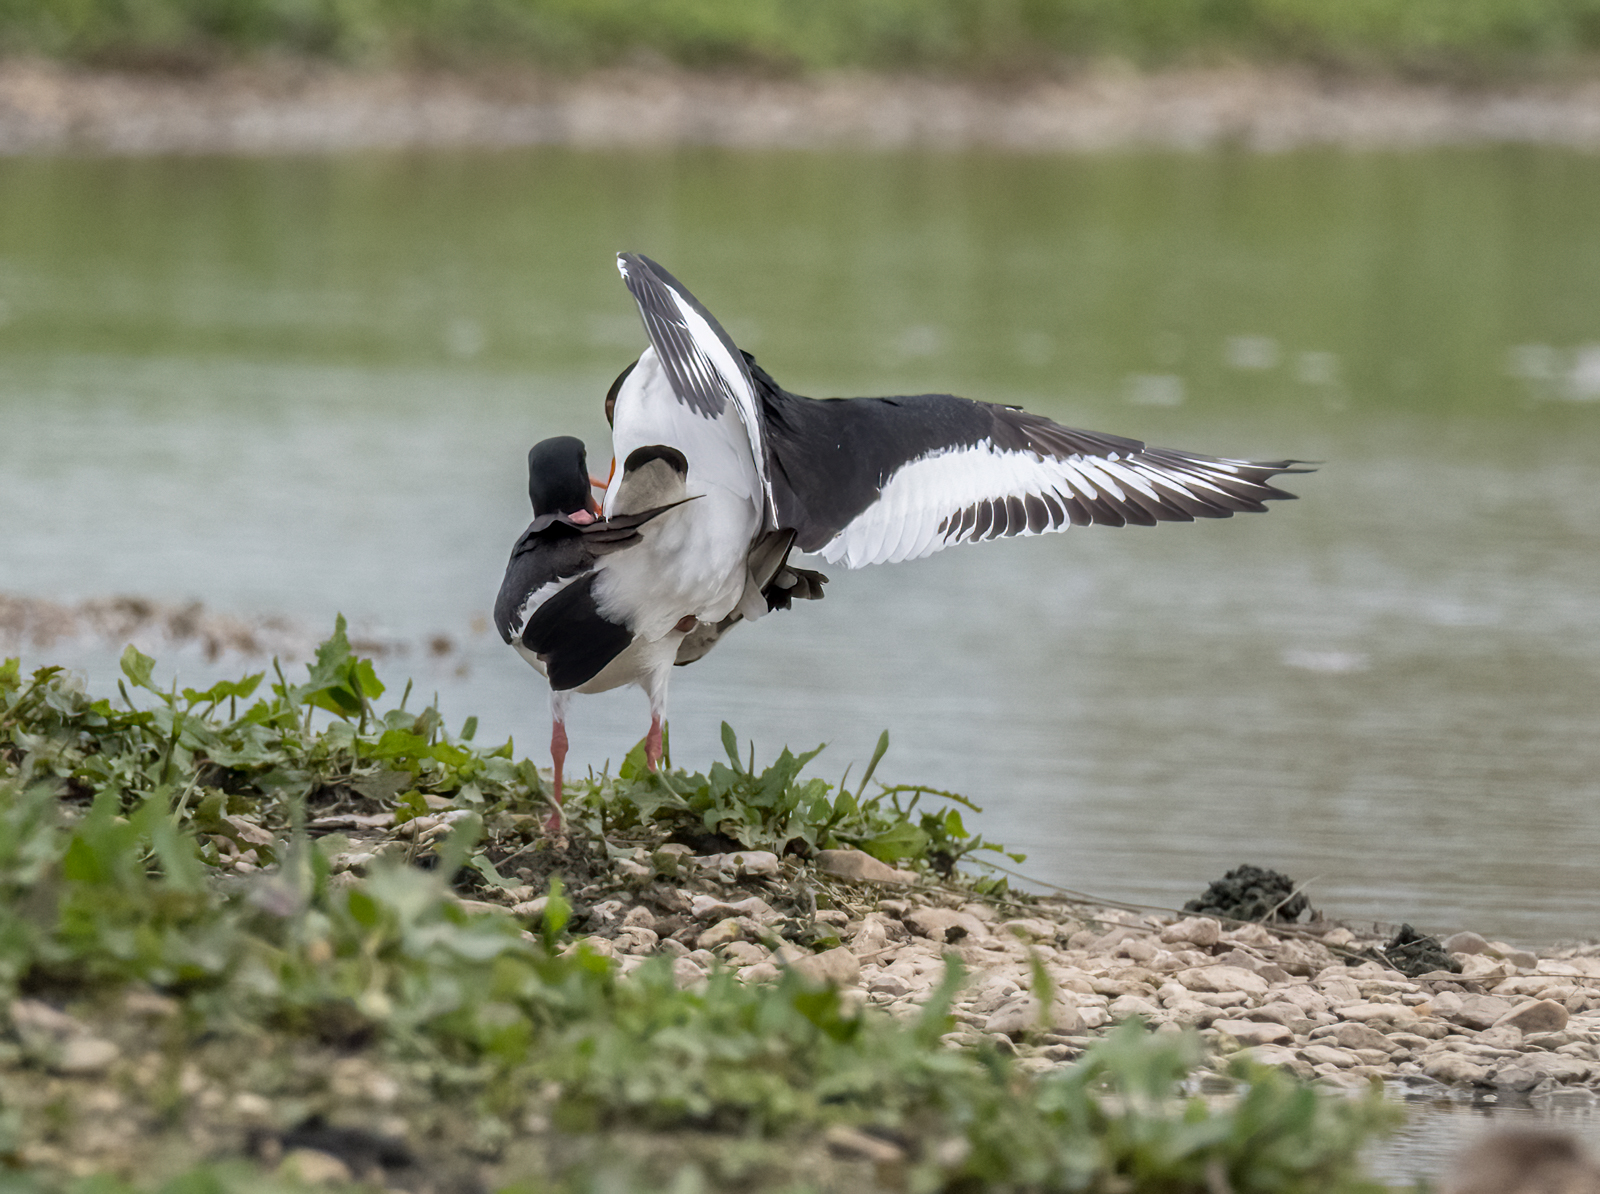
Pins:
x,y
570,637
554,548
694,380
830,459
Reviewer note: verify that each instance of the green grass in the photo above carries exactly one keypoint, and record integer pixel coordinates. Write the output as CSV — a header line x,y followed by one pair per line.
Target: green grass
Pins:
x,y
508,1052
1471,38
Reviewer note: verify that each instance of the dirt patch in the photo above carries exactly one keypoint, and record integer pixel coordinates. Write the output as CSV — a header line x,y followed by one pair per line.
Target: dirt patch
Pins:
x,y
577,862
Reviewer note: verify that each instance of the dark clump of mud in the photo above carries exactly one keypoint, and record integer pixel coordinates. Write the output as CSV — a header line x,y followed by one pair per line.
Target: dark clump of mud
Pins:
x,y
1252,893
1413,954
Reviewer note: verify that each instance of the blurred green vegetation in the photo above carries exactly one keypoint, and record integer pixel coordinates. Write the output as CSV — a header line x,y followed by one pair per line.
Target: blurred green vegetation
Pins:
x,y
1461,38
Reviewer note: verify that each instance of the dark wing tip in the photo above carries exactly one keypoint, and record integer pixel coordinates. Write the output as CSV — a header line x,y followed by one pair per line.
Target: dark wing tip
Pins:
x,y
661,299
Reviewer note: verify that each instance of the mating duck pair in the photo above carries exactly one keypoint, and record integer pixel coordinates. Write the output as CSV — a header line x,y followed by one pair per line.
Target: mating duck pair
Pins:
x,y
725,474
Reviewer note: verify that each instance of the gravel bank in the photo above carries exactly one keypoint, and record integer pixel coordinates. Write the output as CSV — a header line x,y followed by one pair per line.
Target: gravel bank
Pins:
x,y
40,626
1296,997
285,108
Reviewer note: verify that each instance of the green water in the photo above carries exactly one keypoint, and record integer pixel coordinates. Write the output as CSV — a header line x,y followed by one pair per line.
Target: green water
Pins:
x,y
304,385
1047,277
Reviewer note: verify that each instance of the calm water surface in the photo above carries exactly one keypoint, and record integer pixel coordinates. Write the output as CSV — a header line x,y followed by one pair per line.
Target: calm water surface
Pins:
x,y
302,386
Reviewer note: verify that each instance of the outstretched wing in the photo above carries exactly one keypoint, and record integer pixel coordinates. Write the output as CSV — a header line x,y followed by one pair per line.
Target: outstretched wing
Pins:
x,y
705,369
877,480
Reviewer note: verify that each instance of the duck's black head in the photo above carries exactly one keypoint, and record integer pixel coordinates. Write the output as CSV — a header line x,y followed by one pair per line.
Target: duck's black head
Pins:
x,y
558,476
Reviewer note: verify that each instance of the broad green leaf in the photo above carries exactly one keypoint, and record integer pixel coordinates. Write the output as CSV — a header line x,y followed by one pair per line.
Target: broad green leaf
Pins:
x,y
900,841
486,868
137,666
409,806
371,687
633,763
363,908
223,690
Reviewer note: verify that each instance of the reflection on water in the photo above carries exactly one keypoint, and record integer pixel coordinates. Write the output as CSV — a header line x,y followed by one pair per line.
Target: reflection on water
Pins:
x,y
307,385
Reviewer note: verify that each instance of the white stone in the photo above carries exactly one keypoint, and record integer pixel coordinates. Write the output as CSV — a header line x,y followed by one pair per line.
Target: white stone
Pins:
x,y
1071,978
33,1017
1328,1055
1021,1015
935,924
875,932
1124,1006
1482,966
704,907
857,866
1279,1056
1137,948
1336,988
314,1167
747,864
1527,1071
1191,1011
743,953
594,945
1281,1012
1359,1036
637,940
1223,978
1030,928
1471,1011
1226,999
1193,930
1542,1015
1464,943
1254,1032
721,933
1501,1036
834,965
1369,1013
1303,996
1454,1069
86,1055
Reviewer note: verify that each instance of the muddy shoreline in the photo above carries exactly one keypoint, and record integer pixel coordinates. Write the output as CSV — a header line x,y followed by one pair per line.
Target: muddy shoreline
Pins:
x,y
297,108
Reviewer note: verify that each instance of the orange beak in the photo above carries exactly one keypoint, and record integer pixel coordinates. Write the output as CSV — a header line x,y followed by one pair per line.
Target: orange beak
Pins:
x,y
597,483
